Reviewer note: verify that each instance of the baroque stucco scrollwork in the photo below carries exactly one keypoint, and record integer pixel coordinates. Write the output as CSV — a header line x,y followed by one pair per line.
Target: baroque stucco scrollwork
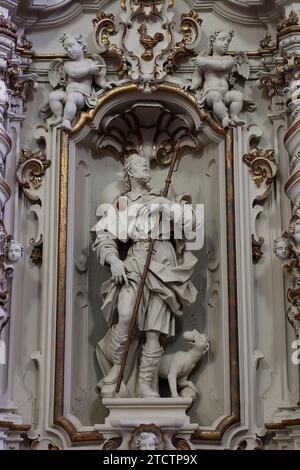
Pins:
x,y
263,169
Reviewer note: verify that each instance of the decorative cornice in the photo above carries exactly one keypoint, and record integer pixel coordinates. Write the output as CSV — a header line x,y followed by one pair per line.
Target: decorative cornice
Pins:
x,y
242,12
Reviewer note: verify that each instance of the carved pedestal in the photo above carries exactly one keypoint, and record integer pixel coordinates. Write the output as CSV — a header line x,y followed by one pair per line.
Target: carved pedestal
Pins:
x,y
129,418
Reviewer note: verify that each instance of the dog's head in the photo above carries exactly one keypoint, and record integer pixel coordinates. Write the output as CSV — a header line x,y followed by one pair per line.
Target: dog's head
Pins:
x,y
198,340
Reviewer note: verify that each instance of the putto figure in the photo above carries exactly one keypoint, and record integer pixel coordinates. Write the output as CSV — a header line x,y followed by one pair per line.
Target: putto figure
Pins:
x,y
74,80
168,285
215,76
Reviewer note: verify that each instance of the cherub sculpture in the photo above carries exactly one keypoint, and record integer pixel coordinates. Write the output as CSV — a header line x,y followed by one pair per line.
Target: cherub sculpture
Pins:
x,y
73,81
215,76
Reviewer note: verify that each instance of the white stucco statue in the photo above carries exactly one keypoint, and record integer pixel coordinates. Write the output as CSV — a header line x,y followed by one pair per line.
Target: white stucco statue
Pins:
x,y
74,80
215,76
168,285
177,367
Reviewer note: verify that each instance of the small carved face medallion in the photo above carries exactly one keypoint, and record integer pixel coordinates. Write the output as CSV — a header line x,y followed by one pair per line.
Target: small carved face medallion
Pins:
x,y
147,441
282,248
14,251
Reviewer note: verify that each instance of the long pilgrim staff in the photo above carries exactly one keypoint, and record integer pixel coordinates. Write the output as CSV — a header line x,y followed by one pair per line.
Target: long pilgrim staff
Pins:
x,y
146,268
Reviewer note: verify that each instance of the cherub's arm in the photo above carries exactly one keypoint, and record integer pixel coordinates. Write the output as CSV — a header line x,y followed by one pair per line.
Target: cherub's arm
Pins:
x,y
77,72
197,79
98,68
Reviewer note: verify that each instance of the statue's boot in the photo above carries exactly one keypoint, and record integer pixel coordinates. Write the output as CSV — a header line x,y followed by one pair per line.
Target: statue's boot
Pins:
x,y
148,371
118,343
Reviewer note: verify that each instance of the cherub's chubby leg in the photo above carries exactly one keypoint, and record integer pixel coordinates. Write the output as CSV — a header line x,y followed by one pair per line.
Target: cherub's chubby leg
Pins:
x,y
149,365
235,101
57,100
74,102
214,100
119,332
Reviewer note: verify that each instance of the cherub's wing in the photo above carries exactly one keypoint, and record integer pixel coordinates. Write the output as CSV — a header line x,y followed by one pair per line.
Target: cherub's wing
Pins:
x,y
102,68
57,75
241,65
240,68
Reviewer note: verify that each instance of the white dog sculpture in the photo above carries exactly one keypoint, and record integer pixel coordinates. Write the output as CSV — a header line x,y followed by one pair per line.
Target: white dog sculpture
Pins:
x,y
176,367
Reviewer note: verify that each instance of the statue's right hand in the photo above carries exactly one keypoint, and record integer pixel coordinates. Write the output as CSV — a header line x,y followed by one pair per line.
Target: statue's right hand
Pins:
x,y
118,271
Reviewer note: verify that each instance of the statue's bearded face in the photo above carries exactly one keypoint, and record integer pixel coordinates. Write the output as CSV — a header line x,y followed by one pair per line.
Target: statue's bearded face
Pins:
x,y
222,42
140,170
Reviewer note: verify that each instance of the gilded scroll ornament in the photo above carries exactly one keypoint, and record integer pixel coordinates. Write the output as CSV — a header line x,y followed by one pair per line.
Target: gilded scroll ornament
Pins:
x,y
263,168
30,172
190,27
160,41
274,82
104,25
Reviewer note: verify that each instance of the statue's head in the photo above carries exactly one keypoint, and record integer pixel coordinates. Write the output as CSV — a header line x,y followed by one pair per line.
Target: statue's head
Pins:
x,y
136,167
146,441
14,251
282,248
74,44
219,41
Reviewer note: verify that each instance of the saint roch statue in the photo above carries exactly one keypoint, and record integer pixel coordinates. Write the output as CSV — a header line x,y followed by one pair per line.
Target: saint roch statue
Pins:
x,y
124,235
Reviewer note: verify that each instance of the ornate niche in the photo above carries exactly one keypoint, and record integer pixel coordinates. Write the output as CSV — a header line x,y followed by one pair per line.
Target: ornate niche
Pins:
x,y
89,167
149,110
